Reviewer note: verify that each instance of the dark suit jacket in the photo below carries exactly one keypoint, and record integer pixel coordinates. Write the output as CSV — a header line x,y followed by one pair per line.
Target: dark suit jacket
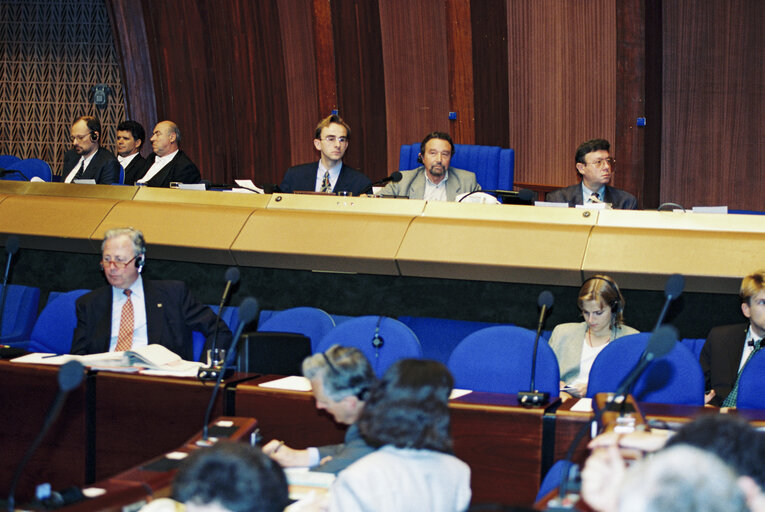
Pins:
x,y
572,195
345,454
135,169
180,169
171,314
721,357
303,178
104,168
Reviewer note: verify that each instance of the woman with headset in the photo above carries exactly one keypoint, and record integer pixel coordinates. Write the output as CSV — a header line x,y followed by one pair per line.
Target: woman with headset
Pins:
x,y
576,345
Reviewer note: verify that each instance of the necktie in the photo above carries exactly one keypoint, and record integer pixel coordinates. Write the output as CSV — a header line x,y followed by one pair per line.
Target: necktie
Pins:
x,y
326,186
730,400
125,336
79,172
594,198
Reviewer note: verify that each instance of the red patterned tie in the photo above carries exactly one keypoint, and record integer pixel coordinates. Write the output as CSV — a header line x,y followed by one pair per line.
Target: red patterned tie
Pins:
x,y
326,185
125,336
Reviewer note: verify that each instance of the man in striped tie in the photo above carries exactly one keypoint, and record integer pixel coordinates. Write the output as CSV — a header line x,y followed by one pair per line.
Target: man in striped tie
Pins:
x,y
729,347
133,311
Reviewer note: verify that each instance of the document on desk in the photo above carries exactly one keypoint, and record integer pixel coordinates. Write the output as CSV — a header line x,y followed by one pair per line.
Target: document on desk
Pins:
x,y
292,383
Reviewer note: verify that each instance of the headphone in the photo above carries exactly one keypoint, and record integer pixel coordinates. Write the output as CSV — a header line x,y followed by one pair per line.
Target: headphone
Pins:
x,y
140,261
363,392
377,340
616,305
94,136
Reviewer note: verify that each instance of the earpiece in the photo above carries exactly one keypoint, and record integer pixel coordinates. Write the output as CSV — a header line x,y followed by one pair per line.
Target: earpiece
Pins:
x,y
139,262
377,340
94,136
616,304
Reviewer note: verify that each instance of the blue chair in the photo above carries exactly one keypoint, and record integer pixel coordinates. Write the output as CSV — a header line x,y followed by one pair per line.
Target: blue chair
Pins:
x,y
312,323
750,394
439,336
552,478
694,345
19,313
230,316
383,340
54,327
498,360
8,160
493,166
673,379
31,168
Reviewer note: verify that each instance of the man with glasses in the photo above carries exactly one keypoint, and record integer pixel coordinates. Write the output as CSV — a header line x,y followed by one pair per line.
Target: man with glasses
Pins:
x,y
596,167
435,179
87,160
133,311
331,175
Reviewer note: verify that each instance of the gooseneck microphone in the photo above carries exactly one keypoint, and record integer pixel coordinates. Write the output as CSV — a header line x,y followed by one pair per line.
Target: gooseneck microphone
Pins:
x,y
232,277
672,290
70,376
534,397
248,311
11,246
524,194
395,177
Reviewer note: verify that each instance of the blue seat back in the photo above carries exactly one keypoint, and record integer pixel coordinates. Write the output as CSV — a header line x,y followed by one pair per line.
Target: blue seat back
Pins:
x,y
8,160
498,360
694,345
673,379
19,313
439,336
230,316
31,167
313,323
54,327
750,395
398,340
493,166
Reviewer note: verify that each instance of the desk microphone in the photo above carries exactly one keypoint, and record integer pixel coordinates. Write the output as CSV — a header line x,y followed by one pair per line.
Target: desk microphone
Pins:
x,y
672,290
248,311
395,177
534,397
525,195
11,246
232,277
70,376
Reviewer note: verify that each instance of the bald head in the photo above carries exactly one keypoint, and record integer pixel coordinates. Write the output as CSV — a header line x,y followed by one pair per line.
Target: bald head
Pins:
x,y
166,138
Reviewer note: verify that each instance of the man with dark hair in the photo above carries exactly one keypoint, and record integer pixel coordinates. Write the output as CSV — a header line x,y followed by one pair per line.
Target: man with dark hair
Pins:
x,y
435,179
729,347
133,311
341,379
596,167
168,163
407,419
230,477
331,139
130,137
87,160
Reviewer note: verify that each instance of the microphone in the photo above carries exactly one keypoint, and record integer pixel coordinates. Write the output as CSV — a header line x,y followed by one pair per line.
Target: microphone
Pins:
x,y
395,177
248,311
70,376
11,246
534,397
672,290
523,195
232,277
661,342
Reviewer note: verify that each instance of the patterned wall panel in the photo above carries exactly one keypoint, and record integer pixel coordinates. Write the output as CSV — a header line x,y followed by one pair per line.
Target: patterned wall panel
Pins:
x,y
52,54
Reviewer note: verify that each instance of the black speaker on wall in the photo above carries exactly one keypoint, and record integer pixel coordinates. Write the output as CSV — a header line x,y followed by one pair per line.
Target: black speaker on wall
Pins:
x,y
279,353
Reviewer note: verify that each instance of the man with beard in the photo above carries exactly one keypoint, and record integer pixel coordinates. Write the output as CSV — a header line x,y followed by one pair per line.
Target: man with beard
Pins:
x,y
435,179
87,160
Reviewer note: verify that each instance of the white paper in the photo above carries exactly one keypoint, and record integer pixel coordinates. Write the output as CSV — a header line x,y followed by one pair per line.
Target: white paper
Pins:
x,y
582,405
456,393
249,185
292,383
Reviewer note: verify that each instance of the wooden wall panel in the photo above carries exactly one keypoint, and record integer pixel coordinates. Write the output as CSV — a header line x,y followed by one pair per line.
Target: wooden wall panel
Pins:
x,y
416,71
459,38
713,124
562,83
295,18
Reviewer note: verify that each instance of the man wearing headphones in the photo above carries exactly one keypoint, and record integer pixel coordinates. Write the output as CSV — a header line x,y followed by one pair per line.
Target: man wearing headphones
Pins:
x,y
133,311
341,378
435,179
87,160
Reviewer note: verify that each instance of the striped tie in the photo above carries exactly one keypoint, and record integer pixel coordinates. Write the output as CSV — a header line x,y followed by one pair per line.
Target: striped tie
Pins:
x,y
125,336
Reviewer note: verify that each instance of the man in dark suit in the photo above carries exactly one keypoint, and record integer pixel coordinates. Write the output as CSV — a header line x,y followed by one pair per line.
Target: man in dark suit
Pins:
x,y
341,378
728,347
87,160
331,139
596,167
134,311
130,137
167,164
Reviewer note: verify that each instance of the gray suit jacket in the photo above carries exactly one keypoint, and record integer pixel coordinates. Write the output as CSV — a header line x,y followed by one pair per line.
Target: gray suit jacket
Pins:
x,y
412,184
345,454
572,195
566,341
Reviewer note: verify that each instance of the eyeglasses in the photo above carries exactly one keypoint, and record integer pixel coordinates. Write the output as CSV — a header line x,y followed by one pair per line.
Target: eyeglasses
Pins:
x,y
332,138
80,138
121,265
599,163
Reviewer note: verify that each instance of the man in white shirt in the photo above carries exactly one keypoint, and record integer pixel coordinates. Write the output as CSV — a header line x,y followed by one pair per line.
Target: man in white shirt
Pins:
x,y
168,164
130,137
435,179
87,160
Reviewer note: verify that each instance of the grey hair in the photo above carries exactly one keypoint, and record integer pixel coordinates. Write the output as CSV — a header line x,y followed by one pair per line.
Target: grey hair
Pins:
x,y
344,371
135,236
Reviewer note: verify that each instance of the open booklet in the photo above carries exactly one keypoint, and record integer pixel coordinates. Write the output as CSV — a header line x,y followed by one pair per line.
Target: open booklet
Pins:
x,y
150,359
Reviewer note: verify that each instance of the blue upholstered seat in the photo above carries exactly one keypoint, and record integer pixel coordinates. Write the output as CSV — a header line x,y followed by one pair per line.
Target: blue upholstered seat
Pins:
x,y
54,327
30,168
313,323
19,313
750,395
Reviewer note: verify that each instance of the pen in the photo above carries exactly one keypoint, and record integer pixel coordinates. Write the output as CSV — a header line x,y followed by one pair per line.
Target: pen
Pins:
x,y
50,355
281,443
